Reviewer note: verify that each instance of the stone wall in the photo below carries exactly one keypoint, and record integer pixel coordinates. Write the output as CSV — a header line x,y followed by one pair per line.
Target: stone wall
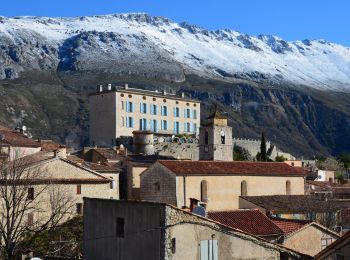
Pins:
x,y
158,184
178,150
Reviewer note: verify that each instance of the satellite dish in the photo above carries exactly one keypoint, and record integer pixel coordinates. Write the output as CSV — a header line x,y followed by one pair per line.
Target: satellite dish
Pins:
x,y
200,211
222,133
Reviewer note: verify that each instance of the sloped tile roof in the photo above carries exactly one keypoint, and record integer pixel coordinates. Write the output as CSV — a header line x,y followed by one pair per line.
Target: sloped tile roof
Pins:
x,y
289,225
295,203
17,139
250,221
231,168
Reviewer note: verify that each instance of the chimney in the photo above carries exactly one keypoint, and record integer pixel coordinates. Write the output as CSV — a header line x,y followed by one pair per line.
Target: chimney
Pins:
x,y
182,94
126,86
164,92
109,87
193,203
100,88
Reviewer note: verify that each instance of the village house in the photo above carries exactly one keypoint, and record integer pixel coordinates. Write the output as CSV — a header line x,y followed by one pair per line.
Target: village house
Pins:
x,y
146,230
338,250
218,184
300,235
15,144
50,180
127,109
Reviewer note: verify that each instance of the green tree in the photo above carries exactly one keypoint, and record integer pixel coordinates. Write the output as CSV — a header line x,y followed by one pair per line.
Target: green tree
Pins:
x,y
263,153
280,158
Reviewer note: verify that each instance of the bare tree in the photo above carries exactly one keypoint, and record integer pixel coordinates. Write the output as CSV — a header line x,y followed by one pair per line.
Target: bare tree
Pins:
x,y
25,190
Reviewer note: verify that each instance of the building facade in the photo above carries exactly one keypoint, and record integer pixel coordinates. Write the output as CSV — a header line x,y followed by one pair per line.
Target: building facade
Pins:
x,y
116,113
144,230
217,184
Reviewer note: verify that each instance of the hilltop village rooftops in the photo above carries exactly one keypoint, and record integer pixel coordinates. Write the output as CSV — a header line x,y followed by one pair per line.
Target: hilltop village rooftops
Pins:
x,y
289,225
152,93
231,168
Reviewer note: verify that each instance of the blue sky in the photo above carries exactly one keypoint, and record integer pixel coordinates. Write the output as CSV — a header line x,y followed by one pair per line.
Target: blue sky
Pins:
x,y
291,20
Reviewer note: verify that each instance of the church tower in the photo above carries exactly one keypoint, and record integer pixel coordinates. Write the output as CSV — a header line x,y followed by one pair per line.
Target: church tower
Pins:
x,y
215,139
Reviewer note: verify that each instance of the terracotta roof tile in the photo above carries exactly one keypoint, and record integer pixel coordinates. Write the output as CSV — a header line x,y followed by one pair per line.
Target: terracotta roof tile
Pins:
x,y
250,221
234,167
14,138
50,146
289,225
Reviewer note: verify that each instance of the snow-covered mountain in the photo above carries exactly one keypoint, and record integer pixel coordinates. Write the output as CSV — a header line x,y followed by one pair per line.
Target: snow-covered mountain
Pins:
x,y
154,46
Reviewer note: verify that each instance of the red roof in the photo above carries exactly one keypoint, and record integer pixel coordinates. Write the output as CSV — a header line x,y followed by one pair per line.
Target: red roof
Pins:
x,y
231,168
14,138
289,225
250,221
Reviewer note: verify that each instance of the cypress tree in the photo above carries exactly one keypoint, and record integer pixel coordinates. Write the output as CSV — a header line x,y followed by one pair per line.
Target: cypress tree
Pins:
x,y
263,154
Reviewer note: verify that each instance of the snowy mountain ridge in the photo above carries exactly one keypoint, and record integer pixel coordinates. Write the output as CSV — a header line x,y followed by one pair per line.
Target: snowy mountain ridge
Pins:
x,y
137,41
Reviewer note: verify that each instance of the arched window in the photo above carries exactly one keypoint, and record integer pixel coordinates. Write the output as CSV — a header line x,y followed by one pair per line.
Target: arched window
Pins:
x,y
244,188
206,137
288,188
204,191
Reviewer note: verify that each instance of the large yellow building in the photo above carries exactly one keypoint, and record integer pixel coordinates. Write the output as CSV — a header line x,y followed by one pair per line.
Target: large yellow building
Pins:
x,y
218,184
118,112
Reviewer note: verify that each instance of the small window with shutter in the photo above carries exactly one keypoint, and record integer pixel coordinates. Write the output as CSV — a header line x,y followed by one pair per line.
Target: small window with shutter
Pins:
x,y
30,219
120,227
78,188
79,208
30,195
209,250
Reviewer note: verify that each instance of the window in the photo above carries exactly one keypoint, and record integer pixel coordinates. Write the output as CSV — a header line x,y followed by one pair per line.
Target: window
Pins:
x,y
206,137
188,113
155,126
325,242
120,227
129,122
112,184
176,127
157,186
195,113
143,108
122,105
209,250
164,125
123,121
173,245
288,188
188,127
204,191
30,220
30,195
78,188
154,109
244,188
130,107
292,164
164,111
79,208
194,128
339,257
176,112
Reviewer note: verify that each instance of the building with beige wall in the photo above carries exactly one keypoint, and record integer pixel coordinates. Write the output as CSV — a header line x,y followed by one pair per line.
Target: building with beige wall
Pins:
x,y
50,180
146,230
338,250
117,112
217,184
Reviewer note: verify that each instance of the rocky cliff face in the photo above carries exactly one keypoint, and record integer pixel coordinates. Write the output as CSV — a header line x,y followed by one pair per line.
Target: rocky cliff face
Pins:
x,y
297,92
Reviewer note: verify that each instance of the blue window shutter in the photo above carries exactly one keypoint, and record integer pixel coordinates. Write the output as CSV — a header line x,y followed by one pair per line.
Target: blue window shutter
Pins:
x,y
165,125
184,112
189,111
156,112
145,108
215,250
204,250
132,122
174,111
127,106
141,108
174,127
127,121
156,126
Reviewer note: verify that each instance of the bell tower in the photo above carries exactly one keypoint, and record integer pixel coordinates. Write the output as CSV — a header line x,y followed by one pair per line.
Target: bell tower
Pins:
x,y
215,139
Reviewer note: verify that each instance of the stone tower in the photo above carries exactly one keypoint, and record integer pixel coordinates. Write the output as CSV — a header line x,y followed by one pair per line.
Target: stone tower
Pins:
x,y
215,139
